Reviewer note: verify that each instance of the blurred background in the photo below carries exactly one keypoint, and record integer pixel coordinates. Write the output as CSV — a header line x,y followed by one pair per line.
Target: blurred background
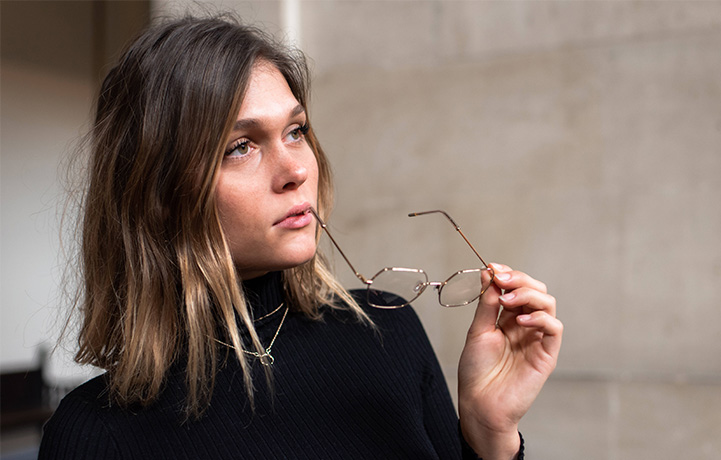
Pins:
x,y
579,141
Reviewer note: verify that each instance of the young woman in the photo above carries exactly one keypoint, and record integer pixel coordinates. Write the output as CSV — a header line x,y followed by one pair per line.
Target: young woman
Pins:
x,y
223,333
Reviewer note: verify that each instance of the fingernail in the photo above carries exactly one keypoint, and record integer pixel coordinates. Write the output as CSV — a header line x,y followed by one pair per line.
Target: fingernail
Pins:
x,y
523,318
507,297
503,276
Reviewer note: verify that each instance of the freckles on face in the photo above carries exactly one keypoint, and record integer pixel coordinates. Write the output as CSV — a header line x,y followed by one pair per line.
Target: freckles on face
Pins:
x,y
268,179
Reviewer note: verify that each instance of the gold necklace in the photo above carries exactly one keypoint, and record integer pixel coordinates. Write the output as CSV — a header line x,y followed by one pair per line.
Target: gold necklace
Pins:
x,y
269,314
265,358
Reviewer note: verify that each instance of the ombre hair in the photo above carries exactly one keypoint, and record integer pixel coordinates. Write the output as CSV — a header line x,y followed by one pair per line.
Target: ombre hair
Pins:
x,y
159,283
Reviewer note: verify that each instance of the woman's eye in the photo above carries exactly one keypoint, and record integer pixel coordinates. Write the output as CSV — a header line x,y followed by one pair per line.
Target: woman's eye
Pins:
x,y
240,148
299,132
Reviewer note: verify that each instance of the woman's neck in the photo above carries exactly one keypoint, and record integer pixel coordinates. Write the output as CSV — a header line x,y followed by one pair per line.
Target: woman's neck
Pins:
x,y
264,294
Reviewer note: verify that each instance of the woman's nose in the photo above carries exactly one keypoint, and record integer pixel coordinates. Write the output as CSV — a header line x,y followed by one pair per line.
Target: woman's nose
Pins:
x,y
290,170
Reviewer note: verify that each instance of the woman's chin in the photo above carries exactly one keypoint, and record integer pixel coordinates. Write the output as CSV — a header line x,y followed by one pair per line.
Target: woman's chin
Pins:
x,y
248,272
301,259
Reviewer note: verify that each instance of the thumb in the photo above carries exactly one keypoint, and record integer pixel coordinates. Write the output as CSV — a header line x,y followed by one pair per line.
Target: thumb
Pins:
x,y
487,310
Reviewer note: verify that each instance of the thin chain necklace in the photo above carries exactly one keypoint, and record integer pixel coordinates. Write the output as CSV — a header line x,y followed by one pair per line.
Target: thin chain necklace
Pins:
x,y
269,314
265,358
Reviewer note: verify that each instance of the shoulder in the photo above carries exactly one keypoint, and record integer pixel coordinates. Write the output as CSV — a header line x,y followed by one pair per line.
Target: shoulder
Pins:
x,y
403,322
77,428
91,395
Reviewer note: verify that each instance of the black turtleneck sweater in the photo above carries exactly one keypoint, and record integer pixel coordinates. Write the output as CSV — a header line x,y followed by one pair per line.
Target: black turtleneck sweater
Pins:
x,y
341,390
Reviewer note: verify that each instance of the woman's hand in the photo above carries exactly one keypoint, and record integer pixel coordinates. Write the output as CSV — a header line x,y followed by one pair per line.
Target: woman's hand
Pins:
x,y
504,364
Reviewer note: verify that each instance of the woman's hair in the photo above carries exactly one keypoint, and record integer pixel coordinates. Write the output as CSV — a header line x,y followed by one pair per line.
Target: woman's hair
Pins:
x,y
158,277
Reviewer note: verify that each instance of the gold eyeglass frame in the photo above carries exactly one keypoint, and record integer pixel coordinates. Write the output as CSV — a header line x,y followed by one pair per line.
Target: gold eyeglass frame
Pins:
x,y
422,286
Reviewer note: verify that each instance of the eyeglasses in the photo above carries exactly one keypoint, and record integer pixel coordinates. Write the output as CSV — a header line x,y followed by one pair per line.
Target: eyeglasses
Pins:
x,y
396,287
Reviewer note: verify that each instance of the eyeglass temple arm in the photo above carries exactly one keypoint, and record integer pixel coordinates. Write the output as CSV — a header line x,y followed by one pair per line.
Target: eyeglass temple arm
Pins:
x,y
327,232
455,225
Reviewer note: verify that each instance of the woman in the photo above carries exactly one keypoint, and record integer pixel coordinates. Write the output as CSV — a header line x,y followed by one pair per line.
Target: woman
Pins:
x,y
223,333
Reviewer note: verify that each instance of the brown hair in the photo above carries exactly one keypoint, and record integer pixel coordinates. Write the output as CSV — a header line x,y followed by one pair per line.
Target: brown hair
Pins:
x,y
158,276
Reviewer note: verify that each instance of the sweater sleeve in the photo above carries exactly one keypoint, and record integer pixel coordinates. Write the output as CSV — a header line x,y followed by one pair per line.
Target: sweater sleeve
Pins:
x,y
439,415
438,412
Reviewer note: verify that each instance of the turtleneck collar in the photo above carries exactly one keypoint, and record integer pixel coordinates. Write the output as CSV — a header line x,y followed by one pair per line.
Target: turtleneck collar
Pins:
x,y
264,293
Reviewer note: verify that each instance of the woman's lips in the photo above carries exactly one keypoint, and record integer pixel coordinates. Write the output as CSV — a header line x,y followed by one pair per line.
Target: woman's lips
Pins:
x,y
297,217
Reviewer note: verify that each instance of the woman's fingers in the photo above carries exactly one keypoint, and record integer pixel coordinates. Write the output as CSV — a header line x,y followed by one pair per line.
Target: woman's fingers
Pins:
x,y
528,297
542,321
522,290
521,294
487,311
509,279
551,328
527,303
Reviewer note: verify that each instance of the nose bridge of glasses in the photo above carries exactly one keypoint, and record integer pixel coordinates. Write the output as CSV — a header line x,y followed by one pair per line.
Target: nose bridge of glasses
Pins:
x,y
436,284
421,286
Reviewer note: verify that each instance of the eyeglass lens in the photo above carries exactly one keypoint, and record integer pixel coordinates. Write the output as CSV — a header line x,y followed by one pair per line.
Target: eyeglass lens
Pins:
x,y
405,285
464,287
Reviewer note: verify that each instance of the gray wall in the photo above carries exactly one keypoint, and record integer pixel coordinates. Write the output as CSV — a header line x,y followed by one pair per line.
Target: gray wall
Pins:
x,y
53,54
46,89
577,141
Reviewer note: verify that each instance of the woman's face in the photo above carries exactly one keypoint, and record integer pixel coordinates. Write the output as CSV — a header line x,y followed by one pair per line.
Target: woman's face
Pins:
x,y
268,179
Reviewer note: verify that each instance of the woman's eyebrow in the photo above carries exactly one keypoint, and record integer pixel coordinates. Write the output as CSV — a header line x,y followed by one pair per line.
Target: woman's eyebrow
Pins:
x,y
250,123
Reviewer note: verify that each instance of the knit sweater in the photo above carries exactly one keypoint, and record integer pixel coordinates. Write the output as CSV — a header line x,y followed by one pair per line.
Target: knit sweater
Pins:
x,y
340,390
